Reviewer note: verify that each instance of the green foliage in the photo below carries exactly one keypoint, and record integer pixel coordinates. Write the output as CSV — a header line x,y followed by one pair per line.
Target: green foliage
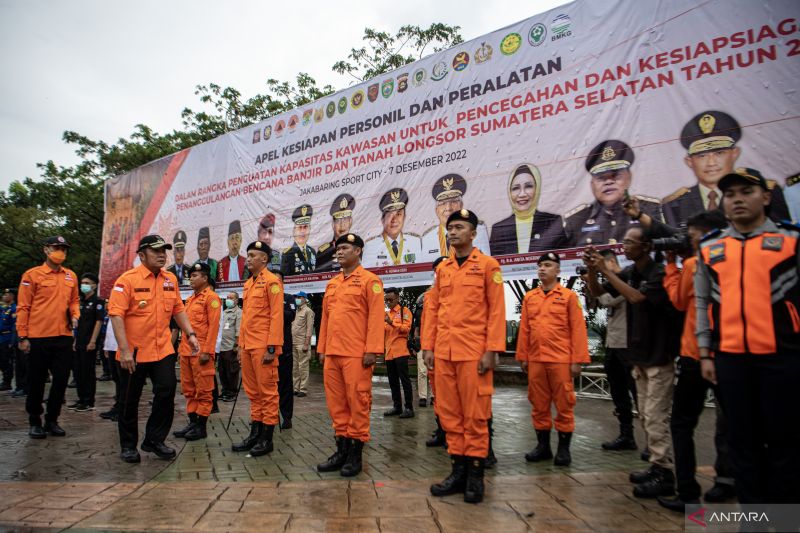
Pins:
x,y
68,201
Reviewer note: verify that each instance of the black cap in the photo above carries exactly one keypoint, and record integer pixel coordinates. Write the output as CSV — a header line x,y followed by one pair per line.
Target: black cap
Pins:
x,y
609,155
204,233
394,200
342,206
438,261
464,214
57,240
179,240
260,246
234,227
350,238
743,175
90,275
549,256
449,187
156,242
710,130
302,215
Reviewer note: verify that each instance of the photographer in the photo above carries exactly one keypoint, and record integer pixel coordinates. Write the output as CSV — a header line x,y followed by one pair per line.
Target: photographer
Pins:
x,y
653,326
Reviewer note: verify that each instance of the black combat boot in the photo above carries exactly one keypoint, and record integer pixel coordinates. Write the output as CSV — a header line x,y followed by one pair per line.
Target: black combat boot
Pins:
x,y
473,492
249,441
542,450
264,444
624,441
338,458
563,457
181,433
353,465
438,438
660,483
457,480
198,431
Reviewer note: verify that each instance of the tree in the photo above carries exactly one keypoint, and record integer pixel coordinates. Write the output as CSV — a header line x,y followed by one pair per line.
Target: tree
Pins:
x,y
68,201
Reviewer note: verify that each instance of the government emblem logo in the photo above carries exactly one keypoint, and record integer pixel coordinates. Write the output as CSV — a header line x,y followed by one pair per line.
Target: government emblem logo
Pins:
x,y
330,109
342,107
483,54
460,61
294,120
372,92
319,114
307,114
510,43
357,99
387,88
560,27
537,34
280,126
439,71
419,77
402,83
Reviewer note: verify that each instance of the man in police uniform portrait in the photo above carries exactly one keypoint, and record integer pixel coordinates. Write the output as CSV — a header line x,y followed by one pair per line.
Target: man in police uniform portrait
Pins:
x,y
710,140
266,233
300,258
393,247
179,268
448,191
341,222
604,221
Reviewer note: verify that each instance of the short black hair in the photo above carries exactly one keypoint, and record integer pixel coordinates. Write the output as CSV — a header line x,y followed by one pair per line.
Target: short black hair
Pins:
x,y
647,236
707,220
393,290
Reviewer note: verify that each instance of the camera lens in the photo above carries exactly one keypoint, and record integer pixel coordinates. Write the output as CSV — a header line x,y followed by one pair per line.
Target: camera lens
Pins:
x,y
581,270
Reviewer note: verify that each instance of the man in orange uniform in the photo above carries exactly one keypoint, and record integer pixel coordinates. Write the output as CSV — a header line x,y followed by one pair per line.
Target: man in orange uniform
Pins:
x,y
350,339
143,301
48,309
260,343
463,330
551,345
197,371
398,324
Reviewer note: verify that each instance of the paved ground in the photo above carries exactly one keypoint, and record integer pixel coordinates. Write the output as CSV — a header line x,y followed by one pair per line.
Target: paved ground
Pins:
x,y
79,482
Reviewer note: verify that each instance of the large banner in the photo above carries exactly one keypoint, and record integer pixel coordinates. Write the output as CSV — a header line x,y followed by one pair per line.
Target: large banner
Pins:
x,y
541,128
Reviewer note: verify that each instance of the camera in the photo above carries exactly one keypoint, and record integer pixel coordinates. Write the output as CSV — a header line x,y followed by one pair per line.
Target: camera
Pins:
x,y
676,243
581,270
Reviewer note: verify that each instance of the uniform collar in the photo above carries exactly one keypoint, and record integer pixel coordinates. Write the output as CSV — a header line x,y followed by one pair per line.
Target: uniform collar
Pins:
x,y
356,270
144,271
473,256
44,268
767,227
598,208
556,288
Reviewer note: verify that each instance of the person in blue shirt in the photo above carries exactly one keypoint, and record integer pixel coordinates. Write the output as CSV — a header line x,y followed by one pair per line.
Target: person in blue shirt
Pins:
x,y
8,338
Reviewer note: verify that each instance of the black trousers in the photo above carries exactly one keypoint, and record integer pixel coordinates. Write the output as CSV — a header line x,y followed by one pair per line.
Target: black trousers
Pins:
x,y
162,375
52,354
397,370
85,375
7,354
758,395
622,385
21,369
228,367
285,386
688,402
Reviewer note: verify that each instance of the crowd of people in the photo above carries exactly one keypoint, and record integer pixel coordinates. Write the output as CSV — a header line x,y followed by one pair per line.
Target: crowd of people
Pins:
x,y
720,313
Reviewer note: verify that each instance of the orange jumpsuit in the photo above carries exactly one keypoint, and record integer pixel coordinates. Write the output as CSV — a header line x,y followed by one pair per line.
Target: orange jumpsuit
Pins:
x,y
464,318
552,335
396,333
261,326
197,381
352,325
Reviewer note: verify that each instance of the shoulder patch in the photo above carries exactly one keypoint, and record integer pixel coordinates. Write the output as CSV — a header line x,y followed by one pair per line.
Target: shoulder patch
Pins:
x,y
674,196
575,210
274,288
214,303
497,277
648,199
324,247
376,288
793,180
286,251
711,234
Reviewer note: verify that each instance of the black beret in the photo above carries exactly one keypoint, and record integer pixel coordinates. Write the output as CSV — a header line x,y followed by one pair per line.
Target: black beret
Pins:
x,y
342,206
609,155
201,267
350,238
449,186
710,130
549,256
464,214
261,246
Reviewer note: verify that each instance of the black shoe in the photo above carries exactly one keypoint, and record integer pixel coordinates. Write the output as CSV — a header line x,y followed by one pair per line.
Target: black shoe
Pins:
x,y
642,475
130,455
457,480
264,444
675,504
249,441
73,406
719,493
661,483
563,457
181,433
438,437
104,377
473,491
82,408
301,394
338,458
624,441
19,393
198,430
111,414
423,402
542,452
54,429
394,411
408,413
286,424
160,449
353,465
37,432
646,455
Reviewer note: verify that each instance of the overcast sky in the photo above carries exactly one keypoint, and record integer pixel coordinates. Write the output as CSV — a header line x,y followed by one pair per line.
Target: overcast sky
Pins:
x,y
100,67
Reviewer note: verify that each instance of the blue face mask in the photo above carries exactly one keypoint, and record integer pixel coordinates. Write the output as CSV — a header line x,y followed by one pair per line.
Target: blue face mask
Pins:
x,y
229,304
86,288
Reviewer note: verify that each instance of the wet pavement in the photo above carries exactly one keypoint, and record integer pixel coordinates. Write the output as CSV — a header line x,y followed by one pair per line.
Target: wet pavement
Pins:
x,y
79,482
